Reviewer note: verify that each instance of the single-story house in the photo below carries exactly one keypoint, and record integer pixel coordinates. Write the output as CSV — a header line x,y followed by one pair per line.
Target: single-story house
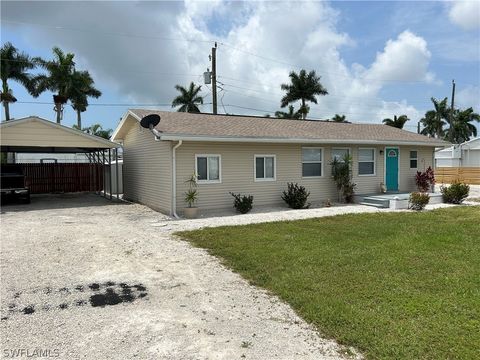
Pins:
x,y
259,156
466,154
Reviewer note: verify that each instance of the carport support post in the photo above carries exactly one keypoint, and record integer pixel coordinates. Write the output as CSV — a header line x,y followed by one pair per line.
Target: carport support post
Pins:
x,y
110,171
116,172
104,179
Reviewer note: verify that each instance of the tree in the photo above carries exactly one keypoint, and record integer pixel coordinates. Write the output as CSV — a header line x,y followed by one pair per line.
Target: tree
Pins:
x,y
303,87
15,66
291,114
59,78
81,89
434,120
397,122
339,118
188,100
95,129
461,128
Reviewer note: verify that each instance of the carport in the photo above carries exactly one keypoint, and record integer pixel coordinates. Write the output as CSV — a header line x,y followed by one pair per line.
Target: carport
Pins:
x,y
36,135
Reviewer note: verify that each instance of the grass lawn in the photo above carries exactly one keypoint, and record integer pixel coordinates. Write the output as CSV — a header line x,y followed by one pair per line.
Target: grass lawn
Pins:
x,y
393,285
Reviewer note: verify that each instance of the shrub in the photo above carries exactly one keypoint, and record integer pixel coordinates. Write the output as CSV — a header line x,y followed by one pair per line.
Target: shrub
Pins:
x,y
418,201
425,179
455,193
242,203
342,176
191,196
296,196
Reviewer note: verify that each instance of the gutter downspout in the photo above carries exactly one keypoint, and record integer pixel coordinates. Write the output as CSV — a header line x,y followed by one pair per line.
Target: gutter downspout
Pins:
x,y
174,179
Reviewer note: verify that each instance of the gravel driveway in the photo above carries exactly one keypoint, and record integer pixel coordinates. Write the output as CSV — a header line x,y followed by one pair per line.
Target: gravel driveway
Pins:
x,y
83,277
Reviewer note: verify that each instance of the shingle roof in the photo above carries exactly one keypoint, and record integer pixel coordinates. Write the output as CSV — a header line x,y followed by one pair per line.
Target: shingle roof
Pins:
x,y
227,126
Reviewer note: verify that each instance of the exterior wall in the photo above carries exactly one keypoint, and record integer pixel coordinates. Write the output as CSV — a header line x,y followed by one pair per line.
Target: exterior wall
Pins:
x,y
407,175
147,169
237,172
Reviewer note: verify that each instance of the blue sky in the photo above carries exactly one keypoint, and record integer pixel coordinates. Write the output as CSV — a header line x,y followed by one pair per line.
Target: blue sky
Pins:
x,y
376,59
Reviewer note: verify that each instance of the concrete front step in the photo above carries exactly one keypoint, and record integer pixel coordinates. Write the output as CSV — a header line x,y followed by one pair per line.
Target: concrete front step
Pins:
x,y
380,206
376,201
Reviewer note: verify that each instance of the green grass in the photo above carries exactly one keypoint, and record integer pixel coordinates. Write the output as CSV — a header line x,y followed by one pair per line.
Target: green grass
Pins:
x,y
393,285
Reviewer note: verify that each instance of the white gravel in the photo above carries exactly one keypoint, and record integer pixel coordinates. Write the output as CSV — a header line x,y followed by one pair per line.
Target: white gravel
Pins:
x,y
195,308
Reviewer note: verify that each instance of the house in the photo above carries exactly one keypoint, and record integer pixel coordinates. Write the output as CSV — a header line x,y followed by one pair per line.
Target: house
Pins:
x,y
466,154
259,156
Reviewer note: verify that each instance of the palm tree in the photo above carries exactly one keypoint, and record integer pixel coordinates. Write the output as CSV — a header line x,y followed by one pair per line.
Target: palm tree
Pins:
x,y
15,66
339,118
433,122
397,122
82,88
462,129
95,129
59,78
188,98
291,114
303,87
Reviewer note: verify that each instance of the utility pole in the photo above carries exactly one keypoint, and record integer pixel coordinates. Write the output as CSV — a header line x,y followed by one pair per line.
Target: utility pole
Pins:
x,y
451,112
214,78
418,127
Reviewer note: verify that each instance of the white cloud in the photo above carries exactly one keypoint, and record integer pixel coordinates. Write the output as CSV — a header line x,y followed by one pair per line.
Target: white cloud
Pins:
x,y
146,69
405,58
465,14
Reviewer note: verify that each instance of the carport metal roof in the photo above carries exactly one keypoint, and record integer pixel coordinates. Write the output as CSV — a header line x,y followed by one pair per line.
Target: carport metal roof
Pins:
x,y
34,134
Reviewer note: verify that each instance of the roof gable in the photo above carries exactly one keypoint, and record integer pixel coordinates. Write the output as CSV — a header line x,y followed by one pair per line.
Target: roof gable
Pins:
x,y
37,132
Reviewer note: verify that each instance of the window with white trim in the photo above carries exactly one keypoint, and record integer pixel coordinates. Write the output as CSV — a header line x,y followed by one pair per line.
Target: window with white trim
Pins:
x,y
340,154
366,161
312,162
207,168
265,168
413,159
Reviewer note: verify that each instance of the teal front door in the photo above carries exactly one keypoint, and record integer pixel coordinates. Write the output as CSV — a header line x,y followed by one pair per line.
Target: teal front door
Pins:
x,y
391,169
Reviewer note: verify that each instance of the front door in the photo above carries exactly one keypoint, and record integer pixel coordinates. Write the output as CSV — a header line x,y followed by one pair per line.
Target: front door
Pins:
x,y
391,169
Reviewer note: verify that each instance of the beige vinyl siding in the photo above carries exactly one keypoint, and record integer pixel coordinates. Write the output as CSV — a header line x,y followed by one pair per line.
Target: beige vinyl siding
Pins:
x,y
407,175
237,171
147,169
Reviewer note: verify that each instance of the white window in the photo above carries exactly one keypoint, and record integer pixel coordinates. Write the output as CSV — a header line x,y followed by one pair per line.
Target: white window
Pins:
x,y
312,160
265,168
340,153
366,161
413,159
208,168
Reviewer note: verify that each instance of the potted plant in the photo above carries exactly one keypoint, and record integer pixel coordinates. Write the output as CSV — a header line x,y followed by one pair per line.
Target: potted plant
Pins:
x,y
191,197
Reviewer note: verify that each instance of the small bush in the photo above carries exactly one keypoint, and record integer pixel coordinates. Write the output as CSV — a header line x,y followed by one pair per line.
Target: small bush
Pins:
x,y
425,180
418,201
455,193
242,203
296,196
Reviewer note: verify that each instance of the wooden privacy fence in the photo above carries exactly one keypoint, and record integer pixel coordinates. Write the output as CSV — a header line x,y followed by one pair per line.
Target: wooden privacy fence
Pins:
x,y
446,175
62,178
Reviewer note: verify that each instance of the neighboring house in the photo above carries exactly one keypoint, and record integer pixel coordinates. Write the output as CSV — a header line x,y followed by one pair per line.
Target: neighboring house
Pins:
x,y
259,156
463,155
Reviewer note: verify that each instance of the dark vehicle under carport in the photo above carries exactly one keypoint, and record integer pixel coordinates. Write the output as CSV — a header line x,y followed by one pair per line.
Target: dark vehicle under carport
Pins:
x,y
13,184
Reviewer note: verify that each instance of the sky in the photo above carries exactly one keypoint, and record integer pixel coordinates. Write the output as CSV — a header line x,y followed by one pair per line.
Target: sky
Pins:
x,y
376,59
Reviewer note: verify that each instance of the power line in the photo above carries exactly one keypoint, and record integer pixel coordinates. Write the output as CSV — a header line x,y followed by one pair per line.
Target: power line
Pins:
x,y
104,104
96,32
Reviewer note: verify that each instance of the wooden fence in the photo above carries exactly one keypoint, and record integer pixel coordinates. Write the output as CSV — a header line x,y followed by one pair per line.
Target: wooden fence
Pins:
x,y
62,178
446,175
